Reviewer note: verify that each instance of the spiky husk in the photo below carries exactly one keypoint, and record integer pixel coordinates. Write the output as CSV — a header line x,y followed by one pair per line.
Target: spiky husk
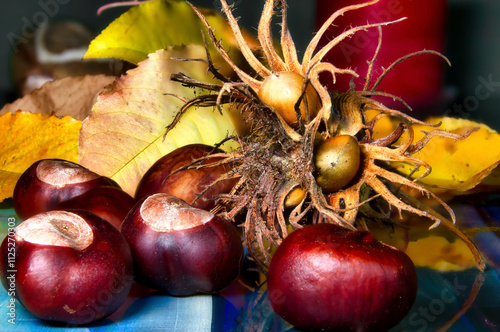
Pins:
x,y
275,159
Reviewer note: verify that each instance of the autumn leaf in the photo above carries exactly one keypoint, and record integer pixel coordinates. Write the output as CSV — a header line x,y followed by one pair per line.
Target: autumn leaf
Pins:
x,y
144,29
73,96
155,25
27,137
123,136
458,167
435,249
158,24
461,165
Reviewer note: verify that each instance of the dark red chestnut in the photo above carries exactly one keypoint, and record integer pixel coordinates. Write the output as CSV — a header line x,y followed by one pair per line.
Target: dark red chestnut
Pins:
x,y
185,184
67,266
179,249
109,203
324,277
48,182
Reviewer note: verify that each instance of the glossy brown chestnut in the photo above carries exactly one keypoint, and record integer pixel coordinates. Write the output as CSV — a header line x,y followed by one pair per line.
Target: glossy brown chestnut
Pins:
x,y
109,203
67,266
181,250
324,277
48,182
185,184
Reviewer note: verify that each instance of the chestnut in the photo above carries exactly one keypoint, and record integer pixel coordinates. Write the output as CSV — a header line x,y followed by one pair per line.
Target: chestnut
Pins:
x,y
109,203
48,182
324,277
181,250
46,52
67,266
186,184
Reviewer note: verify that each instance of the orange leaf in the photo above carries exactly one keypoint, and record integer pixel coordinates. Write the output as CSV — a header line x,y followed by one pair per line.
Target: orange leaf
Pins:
x,y
27,137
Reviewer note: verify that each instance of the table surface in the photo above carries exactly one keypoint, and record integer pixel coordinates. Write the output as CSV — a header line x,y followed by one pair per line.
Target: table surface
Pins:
x,y
440,297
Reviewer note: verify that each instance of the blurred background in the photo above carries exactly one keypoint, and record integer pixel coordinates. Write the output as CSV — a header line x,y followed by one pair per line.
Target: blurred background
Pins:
x,y
471,87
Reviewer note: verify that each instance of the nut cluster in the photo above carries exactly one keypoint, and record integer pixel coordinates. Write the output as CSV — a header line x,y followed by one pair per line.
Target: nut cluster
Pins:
x,y
310,146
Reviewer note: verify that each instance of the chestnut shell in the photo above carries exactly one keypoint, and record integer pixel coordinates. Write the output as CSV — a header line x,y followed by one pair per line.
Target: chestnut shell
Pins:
x,y
202,259
74,286
32,196
110,203
325,277
186,184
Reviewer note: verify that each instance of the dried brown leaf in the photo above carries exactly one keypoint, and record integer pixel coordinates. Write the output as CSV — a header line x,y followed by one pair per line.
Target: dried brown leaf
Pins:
x,y
73,96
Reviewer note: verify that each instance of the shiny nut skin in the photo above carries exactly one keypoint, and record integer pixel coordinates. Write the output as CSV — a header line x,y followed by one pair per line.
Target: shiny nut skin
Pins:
x,y
324,277
181,250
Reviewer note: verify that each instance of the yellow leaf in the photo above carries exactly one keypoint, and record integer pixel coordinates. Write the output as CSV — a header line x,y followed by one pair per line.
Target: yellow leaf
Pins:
x,y
144,29
438,253
436,249
152,26
123,136
27,137
460,165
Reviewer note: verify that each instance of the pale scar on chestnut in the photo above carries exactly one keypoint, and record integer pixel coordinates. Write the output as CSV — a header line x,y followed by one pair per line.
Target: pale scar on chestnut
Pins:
x,y
66,173
165,213
57,228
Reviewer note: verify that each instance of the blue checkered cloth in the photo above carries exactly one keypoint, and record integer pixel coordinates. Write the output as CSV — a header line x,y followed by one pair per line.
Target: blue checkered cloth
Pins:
x,y
248,311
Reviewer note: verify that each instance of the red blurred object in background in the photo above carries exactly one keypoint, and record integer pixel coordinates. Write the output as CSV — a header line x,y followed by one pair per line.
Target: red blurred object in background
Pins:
x,y
418,80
